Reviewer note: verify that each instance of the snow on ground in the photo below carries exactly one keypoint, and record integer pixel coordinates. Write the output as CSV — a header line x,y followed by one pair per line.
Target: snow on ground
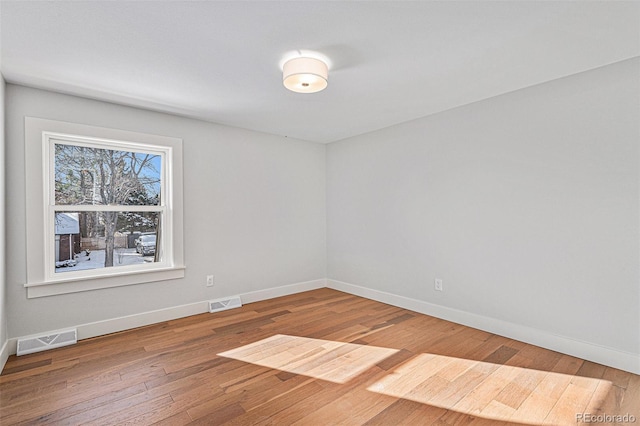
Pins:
x,y
95,259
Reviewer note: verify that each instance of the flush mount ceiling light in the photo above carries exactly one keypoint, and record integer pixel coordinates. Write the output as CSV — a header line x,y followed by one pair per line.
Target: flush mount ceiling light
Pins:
x,y
305,75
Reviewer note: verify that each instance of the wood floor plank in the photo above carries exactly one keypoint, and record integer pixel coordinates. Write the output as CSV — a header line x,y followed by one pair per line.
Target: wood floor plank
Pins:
x,y
630,399
400,412
10,396
486,391
24,367
117,410
160,418
46,410
318,411
272,408
314,358
28,377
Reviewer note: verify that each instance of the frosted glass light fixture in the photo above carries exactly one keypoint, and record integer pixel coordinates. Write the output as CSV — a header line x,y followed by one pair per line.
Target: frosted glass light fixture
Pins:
x,y
305,75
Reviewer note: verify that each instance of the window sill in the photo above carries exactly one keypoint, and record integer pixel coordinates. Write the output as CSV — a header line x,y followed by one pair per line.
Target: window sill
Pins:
x,y
52,288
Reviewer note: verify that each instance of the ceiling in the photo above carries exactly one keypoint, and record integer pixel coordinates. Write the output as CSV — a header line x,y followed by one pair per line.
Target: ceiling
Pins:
x,y
390,61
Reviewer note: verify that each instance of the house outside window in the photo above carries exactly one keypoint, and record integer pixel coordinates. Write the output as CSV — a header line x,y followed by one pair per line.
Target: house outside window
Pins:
x,y
67,231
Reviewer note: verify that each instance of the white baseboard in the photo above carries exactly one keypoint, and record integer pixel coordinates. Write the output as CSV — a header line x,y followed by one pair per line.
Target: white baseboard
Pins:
x,y
113,325
600,354
100,328
4,354
285,290
585,350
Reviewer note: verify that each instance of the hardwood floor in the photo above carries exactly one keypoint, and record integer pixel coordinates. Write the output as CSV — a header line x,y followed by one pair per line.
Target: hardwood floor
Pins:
x,y
316,358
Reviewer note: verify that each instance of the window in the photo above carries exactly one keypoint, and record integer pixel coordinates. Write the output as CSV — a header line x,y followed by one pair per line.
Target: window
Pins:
x,y
104,207
101,200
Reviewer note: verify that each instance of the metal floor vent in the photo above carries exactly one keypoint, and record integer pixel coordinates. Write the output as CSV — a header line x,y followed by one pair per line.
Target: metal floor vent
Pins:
x,y
43,343
224,304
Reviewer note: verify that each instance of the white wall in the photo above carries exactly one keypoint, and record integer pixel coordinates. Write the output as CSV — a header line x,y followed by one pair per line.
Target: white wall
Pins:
x,y
254,207
525,204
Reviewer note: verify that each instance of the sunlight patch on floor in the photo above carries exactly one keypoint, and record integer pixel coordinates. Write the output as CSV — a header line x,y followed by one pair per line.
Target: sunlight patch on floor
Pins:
x,y
322,359
494,391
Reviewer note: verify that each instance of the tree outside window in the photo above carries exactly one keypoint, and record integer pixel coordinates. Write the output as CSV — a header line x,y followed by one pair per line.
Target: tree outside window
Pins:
x,y
114,193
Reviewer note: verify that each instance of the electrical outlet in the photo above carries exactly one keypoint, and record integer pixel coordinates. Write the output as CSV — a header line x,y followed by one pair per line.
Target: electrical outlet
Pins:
x,y
209,280
438,284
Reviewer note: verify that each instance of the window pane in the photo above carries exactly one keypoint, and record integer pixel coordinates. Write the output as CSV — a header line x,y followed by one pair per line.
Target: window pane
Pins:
x,y
92,240
85,176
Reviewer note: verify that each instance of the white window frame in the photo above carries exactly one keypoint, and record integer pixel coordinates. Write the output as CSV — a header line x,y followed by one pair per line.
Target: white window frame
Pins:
x,y
40,137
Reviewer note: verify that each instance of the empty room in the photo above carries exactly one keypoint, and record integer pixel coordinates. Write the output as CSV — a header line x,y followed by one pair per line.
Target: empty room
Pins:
x,y
320,212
